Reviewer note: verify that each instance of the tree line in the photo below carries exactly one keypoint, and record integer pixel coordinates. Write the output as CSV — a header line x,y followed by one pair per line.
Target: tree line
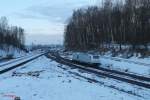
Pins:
x,y
123,22
11,35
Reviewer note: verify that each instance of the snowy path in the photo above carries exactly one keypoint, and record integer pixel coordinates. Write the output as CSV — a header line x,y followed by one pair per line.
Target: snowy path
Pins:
x,y
43,79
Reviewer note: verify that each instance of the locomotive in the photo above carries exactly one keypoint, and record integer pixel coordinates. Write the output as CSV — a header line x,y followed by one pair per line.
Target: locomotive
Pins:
x,y
86,58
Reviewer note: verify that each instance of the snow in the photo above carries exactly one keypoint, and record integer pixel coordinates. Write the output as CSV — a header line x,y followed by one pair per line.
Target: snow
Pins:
x,y
19,58
5,66
10,50
133,65
43,79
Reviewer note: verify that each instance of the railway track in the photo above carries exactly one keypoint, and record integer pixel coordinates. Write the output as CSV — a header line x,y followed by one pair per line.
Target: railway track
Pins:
x,y
122,76
17,63
15,60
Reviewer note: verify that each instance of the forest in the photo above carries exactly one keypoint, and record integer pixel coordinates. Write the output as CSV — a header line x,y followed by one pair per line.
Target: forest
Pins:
x,y
111,22
11,35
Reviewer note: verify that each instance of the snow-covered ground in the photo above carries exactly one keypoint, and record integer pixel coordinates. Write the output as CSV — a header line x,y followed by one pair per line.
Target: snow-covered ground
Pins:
x,y
10,50
44,79
134,65
15,54
13,62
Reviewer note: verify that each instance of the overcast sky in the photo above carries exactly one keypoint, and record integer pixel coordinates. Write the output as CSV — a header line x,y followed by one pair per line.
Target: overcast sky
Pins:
x,y
43,20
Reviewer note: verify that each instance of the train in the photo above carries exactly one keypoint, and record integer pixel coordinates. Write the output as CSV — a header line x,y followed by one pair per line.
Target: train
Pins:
x,y
86,58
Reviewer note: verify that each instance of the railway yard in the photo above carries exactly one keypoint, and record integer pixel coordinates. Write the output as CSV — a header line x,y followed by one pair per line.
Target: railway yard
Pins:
x,y
75,50
53,76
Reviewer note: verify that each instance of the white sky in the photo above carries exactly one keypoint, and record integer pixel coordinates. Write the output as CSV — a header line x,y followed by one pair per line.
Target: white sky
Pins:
x,y
43,20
